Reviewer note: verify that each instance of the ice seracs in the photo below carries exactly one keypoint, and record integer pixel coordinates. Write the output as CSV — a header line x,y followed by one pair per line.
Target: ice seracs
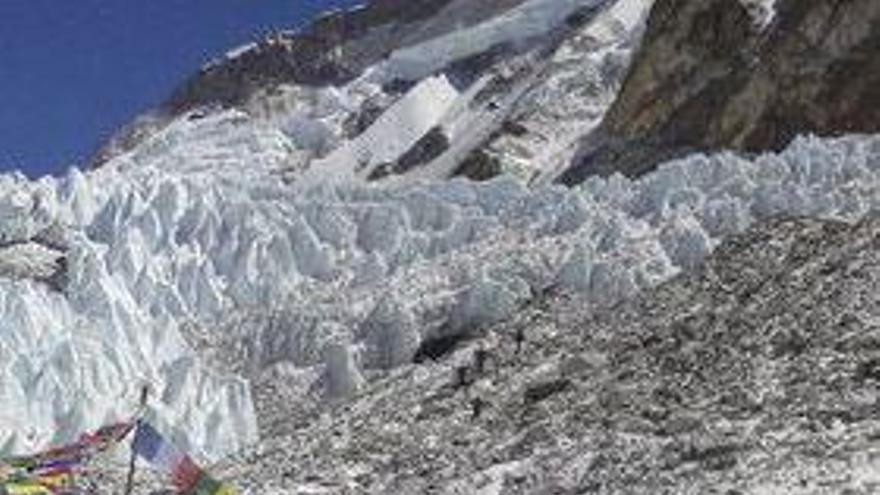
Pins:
x,y
164,253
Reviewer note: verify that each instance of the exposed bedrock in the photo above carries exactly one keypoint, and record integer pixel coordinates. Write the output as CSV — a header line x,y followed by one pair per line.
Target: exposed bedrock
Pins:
x,y
718,74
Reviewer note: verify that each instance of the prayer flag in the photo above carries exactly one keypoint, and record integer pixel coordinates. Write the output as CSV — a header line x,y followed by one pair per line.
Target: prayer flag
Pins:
x,y
185,475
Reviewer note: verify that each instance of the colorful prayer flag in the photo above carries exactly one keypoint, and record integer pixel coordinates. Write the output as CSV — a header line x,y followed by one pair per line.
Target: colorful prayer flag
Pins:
x,y
48,471
185,475
25,488
39,485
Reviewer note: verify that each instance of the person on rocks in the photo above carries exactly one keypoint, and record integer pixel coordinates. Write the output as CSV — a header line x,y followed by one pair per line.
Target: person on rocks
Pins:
x,y
481,355
477,407
520,338
461,377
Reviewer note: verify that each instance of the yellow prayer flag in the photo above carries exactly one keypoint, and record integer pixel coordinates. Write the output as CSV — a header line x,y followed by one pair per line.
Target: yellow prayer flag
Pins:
x,y
225,490
26,488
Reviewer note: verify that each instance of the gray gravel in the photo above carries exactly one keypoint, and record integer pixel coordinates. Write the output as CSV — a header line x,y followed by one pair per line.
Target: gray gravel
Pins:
x,y
755,373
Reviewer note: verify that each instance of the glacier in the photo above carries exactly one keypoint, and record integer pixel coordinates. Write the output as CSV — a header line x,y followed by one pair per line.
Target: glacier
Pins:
x,y
191,267
236,244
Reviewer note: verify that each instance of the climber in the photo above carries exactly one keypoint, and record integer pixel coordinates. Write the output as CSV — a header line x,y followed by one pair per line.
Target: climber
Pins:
x,y
461,377
477,406
520,337
480,357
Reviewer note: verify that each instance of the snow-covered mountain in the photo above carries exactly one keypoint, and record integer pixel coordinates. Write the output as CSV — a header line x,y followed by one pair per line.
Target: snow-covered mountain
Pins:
x,y
465,87
403,91
281,234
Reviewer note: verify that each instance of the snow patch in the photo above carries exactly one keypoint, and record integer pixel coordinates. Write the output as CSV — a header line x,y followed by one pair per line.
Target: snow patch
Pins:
x,y
395,132
763,12
532,18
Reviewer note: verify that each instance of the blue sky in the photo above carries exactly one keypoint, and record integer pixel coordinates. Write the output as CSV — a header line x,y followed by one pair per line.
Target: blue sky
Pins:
x,y
72,71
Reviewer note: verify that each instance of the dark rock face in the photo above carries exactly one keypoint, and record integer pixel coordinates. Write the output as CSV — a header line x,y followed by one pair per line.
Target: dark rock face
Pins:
x,y
333,50
429,147
59,279
708,77
479,166
432,145
361,121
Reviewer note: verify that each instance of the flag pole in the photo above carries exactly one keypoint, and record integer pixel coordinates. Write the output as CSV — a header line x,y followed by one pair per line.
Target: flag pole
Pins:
x,y
129,483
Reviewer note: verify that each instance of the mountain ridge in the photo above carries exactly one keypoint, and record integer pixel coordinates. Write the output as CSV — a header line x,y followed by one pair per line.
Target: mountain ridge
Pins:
x,y
494,53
